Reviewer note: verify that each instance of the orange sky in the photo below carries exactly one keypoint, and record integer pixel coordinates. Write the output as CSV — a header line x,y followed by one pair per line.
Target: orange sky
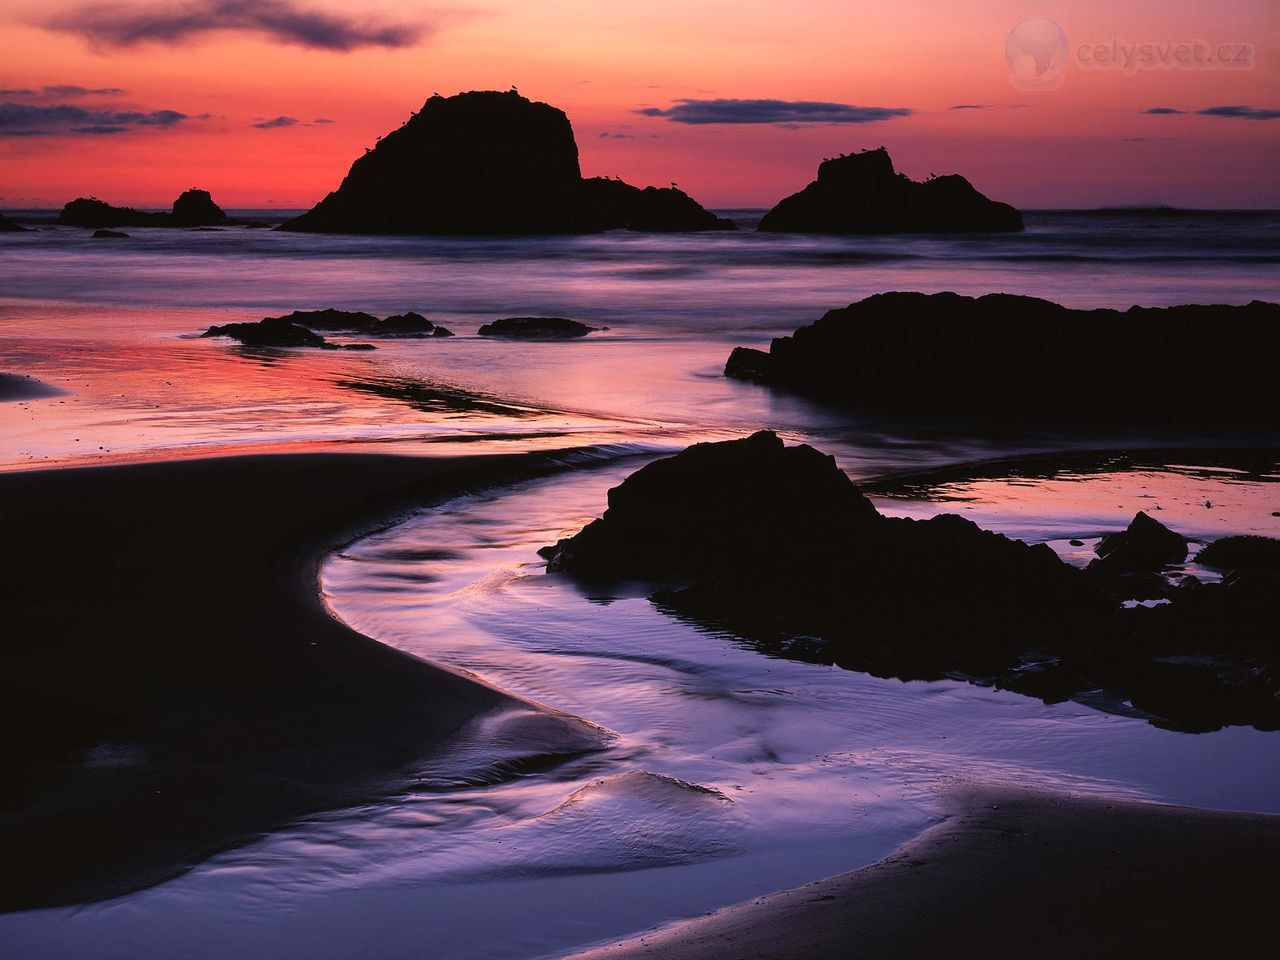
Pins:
x,y
1085,143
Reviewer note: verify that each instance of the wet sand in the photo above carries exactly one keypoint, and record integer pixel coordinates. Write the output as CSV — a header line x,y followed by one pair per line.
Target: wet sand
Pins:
x,y
171,683
1014,873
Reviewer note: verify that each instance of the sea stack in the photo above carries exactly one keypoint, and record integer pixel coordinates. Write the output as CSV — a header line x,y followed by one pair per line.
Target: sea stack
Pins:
x,y
194,208
486,162
862,193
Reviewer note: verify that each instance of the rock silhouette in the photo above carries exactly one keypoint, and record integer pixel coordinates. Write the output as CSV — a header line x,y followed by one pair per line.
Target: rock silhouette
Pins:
x,y
1249,553
862,193
486,162
777,545
194,208
8,226
536,328
1021,356
109,235
298,329
1146,544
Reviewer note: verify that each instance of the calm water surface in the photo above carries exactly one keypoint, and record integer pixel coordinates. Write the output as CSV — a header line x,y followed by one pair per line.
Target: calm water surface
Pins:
x,y
729,774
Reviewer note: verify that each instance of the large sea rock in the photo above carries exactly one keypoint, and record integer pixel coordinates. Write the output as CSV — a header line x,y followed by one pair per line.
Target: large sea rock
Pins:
x,y
194,208
862,193
1016,356
777,545
490,163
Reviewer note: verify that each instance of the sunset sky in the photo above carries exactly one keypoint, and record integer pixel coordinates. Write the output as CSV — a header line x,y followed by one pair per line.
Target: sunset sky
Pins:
x,y
267,102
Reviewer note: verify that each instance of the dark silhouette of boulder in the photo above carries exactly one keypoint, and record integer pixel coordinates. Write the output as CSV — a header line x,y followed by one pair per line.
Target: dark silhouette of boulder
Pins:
x,y
862,193
108,235
195,208
410,324
536,328
1146,544
330,319
1021,356
778,546
489,163
8,226
277,332
1242,553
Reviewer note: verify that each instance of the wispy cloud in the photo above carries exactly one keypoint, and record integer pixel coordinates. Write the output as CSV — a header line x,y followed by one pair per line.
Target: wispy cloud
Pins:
x,y
274,123
63,90
1233,111
782,112
30,120
1241,112
107,25
971,106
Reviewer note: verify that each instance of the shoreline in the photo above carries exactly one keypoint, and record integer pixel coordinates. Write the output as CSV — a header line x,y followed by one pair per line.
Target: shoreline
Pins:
x,y
171,681
1011,873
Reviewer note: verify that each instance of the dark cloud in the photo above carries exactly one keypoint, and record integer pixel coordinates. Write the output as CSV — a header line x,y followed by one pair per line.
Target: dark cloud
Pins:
x,y
789,113
285,21
64,90
1241,112
972,106
30,120
322,120
276,122
1235,111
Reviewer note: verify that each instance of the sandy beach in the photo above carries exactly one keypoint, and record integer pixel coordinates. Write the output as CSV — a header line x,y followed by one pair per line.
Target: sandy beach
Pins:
x,y
1017,873
172,684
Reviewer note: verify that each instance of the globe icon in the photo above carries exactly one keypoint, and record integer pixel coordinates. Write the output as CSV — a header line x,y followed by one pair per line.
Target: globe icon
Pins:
x,y
1036,50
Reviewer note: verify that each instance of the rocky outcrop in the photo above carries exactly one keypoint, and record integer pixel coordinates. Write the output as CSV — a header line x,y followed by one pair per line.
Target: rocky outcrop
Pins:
x,y
536,328
862,193
194,208
1022,356
777,545
8,226
109,235
490,163
1245,553
277,332
1146,544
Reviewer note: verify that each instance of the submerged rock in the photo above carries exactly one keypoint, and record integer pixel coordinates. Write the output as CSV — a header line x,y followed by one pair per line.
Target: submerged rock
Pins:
x,y
486,162
776,544
1021,356
277,332
108,235
862,193
536,328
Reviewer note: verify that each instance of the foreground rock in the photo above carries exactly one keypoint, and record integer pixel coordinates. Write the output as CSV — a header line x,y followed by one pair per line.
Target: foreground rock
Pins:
x,y
536,328
862,193
8,226
1248,553
1019,356
490,163
298,329
779,546
277,332
194,208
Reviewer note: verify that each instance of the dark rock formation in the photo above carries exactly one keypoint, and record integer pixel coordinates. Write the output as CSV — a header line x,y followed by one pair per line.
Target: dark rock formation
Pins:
x,y
277,332
536,328
108,235
1022,356
410,324
1146,544
777,545
8,226
490,163
330,319
862,193
1248,553
194,208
